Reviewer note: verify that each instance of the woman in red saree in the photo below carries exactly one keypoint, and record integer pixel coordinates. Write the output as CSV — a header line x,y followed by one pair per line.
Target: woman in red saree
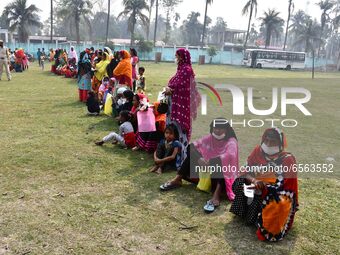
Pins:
x,y
273,199
183,99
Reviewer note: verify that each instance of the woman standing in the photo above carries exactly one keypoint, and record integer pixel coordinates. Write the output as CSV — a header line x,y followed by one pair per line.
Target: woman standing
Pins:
x,y
123,71
84,76
100,70
134,63
184,98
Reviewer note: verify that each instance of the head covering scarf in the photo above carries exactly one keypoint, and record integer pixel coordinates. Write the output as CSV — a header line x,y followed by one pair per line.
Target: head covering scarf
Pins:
x,y
73,54
185,98
101,67
225,149
123,71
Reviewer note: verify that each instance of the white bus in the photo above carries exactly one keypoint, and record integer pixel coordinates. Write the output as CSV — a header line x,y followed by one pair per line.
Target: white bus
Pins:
x,y
288,60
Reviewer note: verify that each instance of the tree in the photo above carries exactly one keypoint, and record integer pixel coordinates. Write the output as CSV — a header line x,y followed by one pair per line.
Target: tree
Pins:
x,y
207,2
152,3
272,24
134,10
169,6
290,10
250,7
192,29
156,23
22,18
75,10
212,52
219,29
51,20
108,20
309,35
325,6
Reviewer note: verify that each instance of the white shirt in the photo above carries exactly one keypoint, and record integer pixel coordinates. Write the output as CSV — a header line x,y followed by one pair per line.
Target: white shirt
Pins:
x,y
3,53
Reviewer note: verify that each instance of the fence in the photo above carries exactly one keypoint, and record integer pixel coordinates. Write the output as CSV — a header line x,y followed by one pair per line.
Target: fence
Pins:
x,y
168,53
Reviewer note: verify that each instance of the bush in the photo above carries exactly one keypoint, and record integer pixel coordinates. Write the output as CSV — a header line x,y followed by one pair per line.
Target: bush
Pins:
x,y
212,52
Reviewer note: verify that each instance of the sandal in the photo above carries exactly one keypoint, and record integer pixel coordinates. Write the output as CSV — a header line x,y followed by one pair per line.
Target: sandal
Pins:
x,y
210,207
168,186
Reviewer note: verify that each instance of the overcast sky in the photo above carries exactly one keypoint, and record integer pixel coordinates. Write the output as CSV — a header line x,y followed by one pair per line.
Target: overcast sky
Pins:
x,y
230,10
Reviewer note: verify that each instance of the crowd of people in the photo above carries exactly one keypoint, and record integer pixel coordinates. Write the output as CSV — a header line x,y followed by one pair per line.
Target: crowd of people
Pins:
x,y
11,61
113,83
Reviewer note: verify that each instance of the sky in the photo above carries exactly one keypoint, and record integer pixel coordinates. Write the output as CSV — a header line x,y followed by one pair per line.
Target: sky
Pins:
x,y
230,10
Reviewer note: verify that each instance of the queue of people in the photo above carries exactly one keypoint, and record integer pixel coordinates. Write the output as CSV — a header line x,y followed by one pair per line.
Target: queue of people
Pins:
x,y
113,83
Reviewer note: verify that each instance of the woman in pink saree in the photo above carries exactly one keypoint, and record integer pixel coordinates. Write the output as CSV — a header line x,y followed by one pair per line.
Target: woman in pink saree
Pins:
x,y
217,151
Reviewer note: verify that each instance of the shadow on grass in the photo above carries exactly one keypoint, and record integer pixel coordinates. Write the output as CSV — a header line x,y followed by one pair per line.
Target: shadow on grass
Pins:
x,y
241,237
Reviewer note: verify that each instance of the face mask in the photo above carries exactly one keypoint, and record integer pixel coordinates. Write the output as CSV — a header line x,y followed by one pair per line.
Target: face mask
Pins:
x,y
270,150
106,83
218,137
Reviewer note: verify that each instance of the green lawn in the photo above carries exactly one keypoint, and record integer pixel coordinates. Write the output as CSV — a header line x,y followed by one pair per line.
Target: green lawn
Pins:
x,y
60,194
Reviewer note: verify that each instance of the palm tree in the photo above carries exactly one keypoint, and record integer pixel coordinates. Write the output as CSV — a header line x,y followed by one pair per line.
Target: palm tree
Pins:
x,y
325,6
134,10
250,7
207,2
309,36
272,23
290,10
156,23
108,20
51,20
75,10
21,18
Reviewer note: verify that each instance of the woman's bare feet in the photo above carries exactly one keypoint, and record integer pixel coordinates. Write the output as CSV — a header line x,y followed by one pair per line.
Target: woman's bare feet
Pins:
x,y
159,170
153,169
136,148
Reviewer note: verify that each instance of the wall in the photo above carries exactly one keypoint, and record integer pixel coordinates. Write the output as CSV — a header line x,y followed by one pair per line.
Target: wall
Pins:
x,y
168,53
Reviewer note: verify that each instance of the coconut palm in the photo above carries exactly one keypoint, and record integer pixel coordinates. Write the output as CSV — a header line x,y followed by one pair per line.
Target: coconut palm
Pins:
x,y
108,20
290,10
325,6
250,7
134,10
21,17
272,24
309,36
76,10
156,24
207,2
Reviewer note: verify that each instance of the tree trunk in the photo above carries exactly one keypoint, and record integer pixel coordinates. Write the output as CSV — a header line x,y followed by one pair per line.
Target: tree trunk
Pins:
x,y
156,21
205,21
51,20
108,20
268,35
249,22
77,20
167,26
149,24
133,34
313,65
288,19
338,66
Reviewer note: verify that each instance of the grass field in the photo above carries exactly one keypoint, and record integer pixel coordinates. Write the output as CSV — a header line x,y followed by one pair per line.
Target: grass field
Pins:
x,y
60,194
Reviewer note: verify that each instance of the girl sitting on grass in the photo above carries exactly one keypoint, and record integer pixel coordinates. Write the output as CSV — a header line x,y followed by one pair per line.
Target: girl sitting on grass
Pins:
x,y
126,136
167,152
92,104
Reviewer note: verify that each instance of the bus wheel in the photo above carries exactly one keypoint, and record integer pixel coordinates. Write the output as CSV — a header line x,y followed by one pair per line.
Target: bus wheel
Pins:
x,y
259,66
289,67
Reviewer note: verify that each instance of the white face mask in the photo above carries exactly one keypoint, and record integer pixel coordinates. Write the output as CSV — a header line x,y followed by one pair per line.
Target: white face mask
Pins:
x,y
218,137
270,150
